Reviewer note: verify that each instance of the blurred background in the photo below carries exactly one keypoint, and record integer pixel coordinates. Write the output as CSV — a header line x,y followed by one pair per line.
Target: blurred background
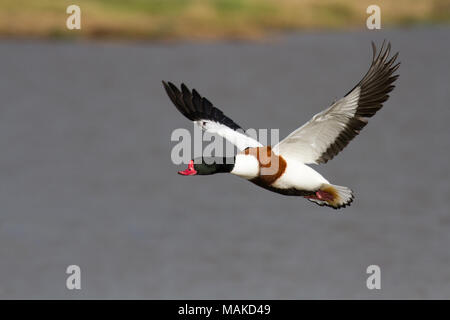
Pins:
x,y
86,176
206,19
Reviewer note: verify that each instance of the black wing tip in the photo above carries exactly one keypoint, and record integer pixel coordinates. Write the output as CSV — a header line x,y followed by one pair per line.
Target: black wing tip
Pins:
x,y
165,85
172,86
195,107
383,53
381,72
184,88
378,81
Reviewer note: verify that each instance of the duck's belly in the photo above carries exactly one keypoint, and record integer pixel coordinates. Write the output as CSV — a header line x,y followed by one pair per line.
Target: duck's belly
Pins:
x,y
300,177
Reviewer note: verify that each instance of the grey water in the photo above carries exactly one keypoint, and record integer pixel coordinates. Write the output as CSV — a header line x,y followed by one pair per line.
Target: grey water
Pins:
x,y
86,176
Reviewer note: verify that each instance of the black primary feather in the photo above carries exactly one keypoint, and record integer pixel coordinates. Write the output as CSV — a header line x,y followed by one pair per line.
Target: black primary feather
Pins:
x,y
195,107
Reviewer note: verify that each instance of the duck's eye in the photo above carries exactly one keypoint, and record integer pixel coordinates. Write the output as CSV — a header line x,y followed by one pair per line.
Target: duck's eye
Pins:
x,y
204,123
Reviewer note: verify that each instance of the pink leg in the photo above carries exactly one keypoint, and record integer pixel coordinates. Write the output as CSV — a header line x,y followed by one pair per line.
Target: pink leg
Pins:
x,y
321,195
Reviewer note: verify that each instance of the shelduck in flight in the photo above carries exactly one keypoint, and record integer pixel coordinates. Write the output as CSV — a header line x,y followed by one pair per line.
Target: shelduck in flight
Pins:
x,y
283,168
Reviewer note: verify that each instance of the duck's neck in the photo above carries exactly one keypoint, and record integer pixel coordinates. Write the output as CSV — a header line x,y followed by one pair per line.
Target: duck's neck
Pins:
x,y
215,165
225,166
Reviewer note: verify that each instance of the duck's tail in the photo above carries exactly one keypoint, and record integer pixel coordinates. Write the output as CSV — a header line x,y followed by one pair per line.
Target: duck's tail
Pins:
x,y
332,196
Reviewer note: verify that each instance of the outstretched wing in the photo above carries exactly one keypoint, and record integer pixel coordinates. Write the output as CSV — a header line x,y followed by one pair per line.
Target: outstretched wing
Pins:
x,y
329,131
204,114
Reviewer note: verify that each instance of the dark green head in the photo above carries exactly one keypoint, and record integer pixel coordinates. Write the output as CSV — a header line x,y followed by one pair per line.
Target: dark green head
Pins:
x,y
207,166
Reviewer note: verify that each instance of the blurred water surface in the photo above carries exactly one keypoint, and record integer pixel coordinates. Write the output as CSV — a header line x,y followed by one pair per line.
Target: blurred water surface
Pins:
x,y
87,179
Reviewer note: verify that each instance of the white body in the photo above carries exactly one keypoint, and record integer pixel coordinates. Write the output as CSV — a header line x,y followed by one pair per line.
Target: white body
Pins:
x,y
246,166
297,175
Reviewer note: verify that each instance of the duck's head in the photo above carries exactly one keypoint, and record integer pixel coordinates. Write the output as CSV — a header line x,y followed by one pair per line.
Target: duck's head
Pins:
x,y
208,166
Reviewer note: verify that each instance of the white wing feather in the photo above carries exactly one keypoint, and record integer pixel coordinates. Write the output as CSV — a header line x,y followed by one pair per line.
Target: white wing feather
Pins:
x,y
310,141
237,138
